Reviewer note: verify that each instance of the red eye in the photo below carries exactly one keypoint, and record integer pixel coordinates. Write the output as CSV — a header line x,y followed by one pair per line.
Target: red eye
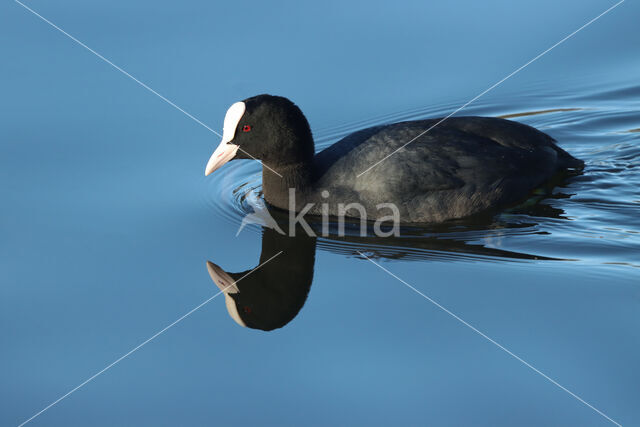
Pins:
x,y
247,310
246,128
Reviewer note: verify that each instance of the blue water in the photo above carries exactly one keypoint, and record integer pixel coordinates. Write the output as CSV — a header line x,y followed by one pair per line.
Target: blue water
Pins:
x,y
107,220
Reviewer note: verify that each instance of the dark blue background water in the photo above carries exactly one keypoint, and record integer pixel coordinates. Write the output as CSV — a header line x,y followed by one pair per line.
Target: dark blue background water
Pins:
x,y
107,220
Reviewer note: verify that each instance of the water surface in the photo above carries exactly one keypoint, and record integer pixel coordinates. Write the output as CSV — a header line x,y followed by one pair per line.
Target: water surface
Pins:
x,y
107,221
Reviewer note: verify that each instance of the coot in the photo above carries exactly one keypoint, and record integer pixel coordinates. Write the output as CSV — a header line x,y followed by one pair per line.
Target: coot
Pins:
x,y
462,166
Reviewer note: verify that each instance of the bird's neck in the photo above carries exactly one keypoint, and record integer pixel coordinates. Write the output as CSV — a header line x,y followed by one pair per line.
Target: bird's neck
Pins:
x,y
296,176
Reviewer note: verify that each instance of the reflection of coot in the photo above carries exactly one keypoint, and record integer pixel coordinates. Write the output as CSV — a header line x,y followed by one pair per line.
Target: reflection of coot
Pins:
x,y
271,296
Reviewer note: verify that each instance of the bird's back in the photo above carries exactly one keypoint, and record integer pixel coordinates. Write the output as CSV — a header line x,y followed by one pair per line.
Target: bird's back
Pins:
x,y
461,166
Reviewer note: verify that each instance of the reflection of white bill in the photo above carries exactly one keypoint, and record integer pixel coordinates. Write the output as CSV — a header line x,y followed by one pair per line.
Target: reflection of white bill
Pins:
x,y
260,216
227,285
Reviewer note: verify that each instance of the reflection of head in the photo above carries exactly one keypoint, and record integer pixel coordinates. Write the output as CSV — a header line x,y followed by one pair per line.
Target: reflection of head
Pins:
x,y
272,295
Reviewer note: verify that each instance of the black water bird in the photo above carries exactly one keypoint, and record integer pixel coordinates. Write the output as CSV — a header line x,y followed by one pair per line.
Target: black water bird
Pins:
x,y
461,167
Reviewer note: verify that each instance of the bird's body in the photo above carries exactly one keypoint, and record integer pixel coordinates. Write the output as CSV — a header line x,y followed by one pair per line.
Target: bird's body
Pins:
x,y
460,167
